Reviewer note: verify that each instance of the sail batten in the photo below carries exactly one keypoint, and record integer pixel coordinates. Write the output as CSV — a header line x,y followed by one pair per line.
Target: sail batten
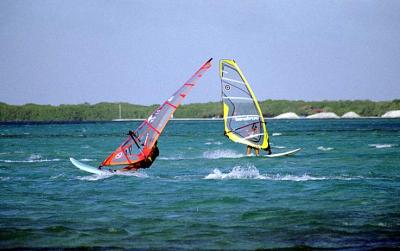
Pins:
x,y
242,98
136,149
243,119
232,80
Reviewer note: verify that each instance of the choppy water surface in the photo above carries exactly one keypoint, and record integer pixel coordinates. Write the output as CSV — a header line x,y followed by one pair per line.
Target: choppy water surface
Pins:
x,y
341,191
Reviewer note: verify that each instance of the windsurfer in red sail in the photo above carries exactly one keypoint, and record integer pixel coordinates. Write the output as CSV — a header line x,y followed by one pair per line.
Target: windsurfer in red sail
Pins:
x,y
140,149
146,162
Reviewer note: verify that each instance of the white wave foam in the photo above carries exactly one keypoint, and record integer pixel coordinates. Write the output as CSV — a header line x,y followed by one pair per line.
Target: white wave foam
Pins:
x,y
279,147
57,176
95,177
289,177
85,147
218,154
325,148
237,172
186,177
138,174
86,160
251,172
276,134
171,158
35,157
213,143
382,145
28,161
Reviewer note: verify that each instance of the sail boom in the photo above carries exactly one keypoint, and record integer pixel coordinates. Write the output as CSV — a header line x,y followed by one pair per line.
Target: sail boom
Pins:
x,y
254,136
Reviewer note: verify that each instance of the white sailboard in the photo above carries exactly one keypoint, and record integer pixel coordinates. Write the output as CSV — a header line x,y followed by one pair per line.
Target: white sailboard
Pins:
x,y
89,169
284,154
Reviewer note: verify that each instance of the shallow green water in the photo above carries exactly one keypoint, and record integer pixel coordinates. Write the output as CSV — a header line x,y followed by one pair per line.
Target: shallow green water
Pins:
x,y
341,191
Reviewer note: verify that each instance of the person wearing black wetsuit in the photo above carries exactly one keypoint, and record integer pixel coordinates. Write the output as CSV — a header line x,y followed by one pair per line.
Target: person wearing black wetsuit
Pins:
x,y
145,163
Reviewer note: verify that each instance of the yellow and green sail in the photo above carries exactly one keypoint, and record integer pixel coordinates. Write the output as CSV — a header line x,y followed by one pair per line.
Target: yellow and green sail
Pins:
x,y
243,119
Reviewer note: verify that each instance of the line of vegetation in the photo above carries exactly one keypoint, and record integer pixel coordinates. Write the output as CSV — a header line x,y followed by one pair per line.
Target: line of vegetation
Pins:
x,y
108,111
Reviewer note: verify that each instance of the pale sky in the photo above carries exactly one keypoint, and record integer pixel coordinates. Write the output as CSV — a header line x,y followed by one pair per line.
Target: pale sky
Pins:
x,y
69,52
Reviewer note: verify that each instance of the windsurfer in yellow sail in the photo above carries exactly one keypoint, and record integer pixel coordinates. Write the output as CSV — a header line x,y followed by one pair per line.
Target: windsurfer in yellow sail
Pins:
x,y
256,150
253,131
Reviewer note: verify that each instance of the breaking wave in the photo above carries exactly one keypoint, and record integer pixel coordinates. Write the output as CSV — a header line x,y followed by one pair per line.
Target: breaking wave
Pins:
x,y
237,172
251,172
32,159
382,145
325,148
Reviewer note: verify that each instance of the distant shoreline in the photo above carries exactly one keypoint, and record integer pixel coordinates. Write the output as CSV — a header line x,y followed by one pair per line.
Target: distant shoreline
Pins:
x,y
176,120
198,111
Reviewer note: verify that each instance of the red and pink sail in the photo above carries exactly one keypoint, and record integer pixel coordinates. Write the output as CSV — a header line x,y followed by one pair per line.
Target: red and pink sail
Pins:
x,y
139,144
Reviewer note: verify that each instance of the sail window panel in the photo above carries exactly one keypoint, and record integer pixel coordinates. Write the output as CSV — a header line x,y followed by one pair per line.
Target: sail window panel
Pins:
x,y
232,74
133,158
150,138
239,108
119,160
252,132
236,91
141,133
147,137
130,147
120,157
160,118
178,96
243,117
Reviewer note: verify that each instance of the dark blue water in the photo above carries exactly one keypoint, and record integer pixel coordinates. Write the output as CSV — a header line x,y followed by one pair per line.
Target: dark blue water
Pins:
x,y
341,191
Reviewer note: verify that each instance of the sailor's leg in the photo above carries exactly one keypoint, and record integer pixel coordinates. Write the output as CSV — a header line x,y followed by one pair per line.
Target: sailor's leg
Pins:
x,y
248,151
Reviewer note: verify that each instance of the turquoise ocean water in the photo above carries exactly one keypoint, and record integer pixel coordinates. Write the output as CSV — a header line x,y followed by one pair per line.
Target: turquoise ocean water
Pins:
x,y
341,191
